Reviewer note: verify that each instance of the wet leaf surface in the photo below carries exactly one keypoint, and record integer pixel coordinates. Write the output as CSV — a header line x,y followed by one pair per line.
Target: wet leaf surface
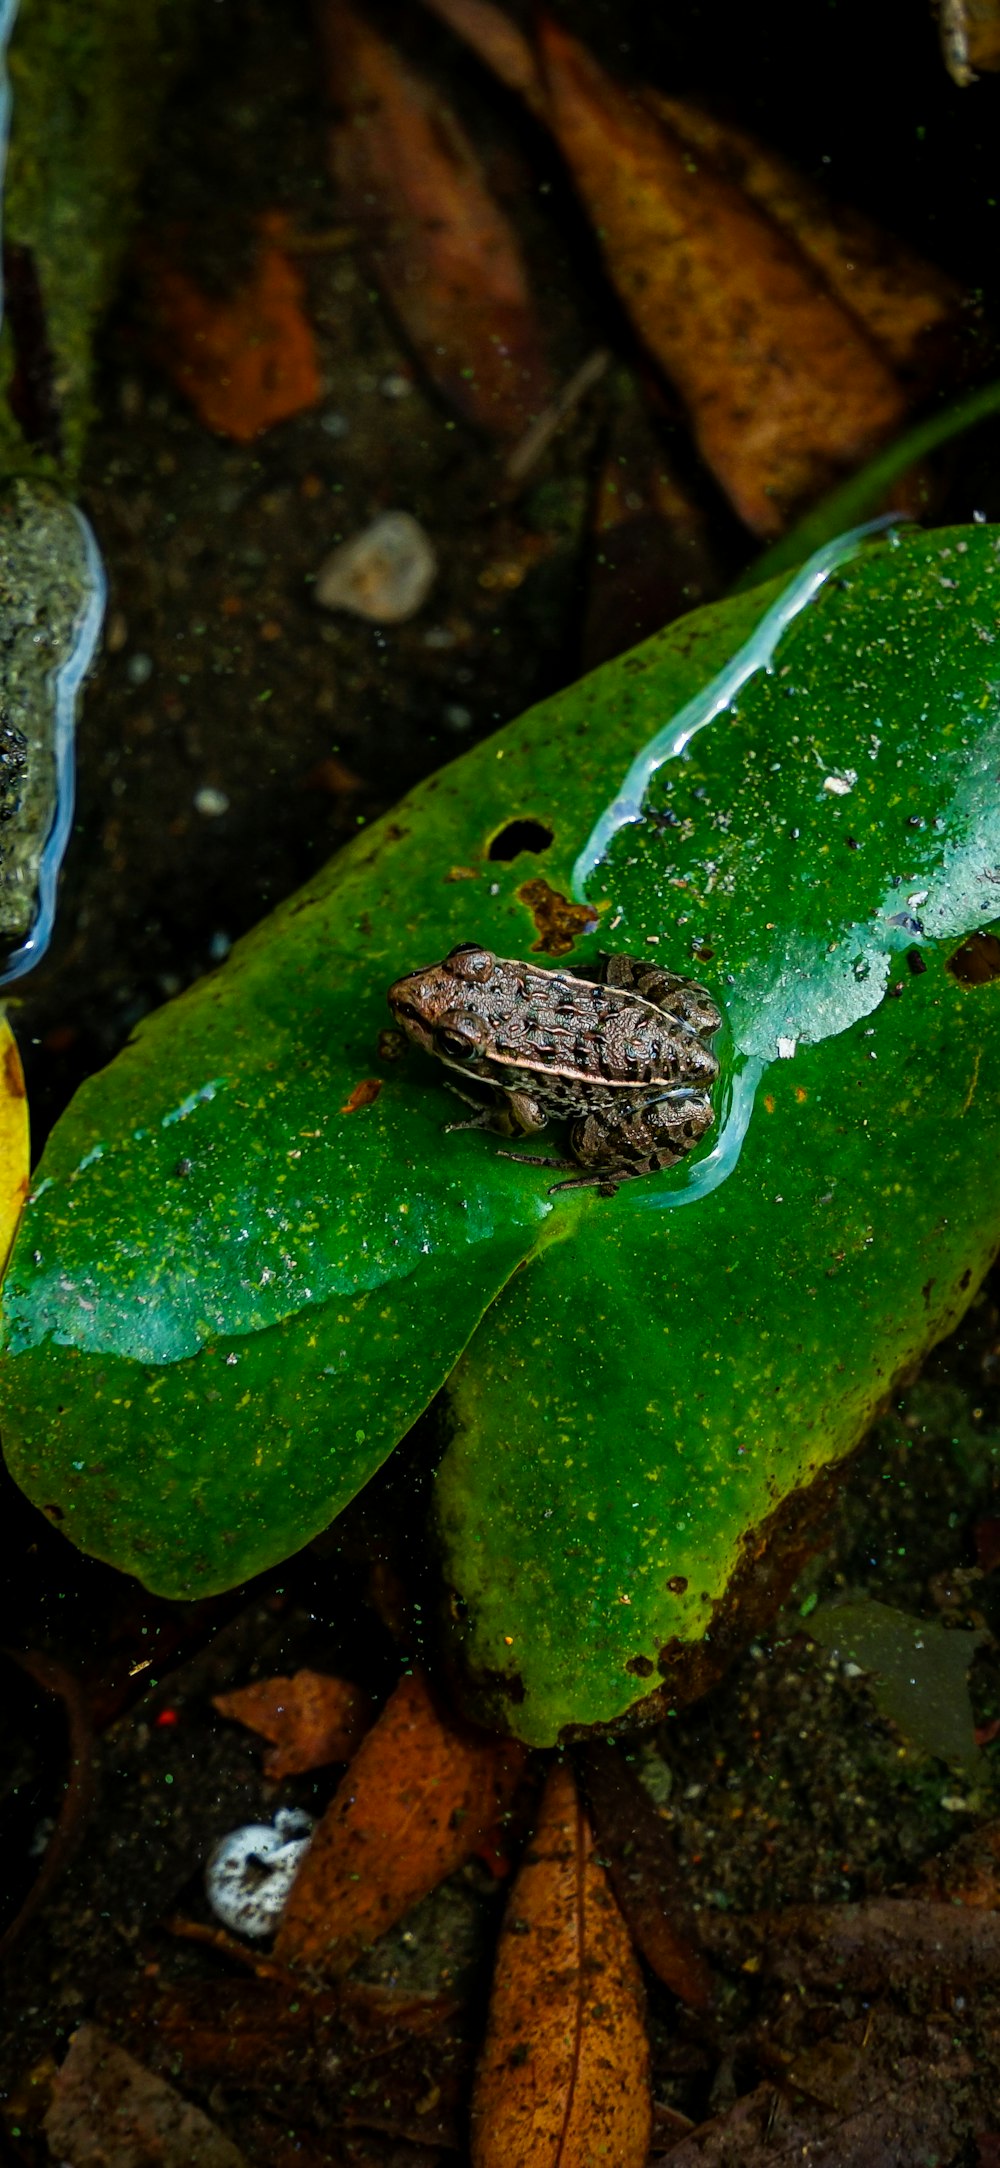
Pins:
x,y
562,2080
209,1233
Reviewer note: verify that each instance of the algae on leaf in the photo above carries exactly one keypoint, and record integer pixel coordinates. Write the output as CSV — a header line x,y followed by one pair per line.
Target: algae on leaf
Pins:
x,y
241,1277
87,83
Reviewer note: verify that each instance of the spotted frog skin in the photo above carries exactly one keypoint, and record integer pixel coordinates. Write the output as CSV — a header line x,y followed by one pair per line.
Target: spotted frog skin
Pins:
x,y
622,1056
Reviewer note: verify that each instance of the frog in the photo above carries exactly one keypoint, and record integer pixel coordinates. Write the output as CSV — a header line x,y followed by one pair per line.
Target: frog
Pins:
x,y
621,1052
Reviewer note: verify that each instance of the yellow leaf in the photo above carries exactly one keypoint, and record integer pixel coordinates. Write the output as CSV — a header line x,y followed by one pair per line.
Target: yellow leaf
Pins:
x,y
13,1139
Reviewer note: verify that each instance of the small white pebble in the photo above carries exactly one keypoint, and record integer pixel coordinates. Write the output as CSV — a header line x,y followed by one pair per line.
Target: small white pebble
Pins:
x,y
396,385
457,717
250,1872
335,425
219,946
139,669
840,786
385,573
211,802
786,1049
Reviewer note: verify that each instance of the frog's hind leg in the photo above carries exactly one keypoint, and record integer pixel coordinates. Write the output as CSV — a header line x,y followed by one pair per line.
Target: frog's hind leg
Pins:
x,y
667,990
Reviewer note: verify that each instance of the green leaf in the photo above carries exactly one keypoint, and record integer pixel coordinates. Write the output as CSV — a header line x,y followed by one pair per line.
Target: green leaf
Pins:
x,y
230,1296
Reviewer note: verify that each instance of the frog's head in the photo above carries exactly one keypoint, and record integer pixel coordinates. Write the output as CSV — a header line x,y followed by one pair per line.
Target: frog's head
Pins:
x,y
441,1008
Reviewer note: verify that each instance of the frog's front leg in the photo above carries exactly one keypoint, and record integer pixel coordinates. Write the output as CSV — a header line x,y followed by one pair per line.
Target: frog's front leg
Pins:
x,y
512,1114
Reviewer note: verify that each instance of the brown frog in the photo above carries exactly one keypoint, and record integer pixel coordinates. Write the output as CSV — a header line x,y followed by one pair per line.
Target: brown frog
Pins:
x,y
622,1055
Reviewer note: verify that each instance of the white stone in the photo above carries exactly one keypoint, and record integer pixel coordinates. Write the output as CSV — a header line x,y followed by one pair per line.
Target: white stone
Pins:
x,y
385,573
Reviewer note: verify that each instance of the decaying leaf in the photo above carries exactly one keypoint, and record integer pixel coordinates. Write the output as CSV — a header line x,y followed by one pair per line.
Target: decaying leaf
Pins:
x,y
419,1797
375,2058
13,1139
899,2093
311,1719
109,2112
637,1849
888,1945
563,2081
445,256
919,1667
784,389
245,361
785,321
905,304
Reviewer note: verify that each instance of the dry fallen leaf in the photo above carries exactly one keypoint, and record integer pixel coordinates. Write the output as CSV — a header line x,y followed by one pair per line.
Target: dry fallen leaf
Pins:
x,y
913,1946
784,388
563,2080
108,2111
417,1800
637,1849
244,361
445,256
375,2058
13,1139
312,1718
898,2094
905,304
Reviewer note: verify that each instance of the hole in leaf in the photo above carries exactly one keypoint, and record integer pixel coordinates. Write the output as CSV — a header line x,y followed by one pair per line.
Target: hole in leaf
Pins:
x,y
518,836
977,961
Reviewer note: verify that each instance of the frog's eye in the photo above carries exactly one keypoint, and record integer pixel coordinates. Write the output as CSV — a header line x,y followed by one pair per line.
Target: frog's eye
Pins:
x,y
469,961
458,1037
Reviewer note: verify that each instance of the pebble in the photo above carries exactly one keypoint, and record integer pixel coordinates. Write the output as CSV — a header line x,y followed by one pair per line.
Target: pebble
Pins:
x,y
385,573
211,802
139,669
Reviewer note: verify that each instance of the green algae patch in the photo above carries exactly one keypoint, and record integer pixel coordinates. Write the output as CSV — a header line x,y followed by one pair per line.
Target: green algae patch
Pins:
x,y
87,87
252,1253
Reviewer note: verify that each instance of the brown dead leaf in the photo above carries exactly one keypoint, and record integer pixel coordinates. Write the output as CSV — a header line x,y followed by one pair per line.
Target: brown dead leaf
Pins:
x,y
563,2081
638,1851
363,1095
904,303
312,1718
784,388
109,2112
246,361
904,1945
419,1796
495,36
445,256
376,2058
